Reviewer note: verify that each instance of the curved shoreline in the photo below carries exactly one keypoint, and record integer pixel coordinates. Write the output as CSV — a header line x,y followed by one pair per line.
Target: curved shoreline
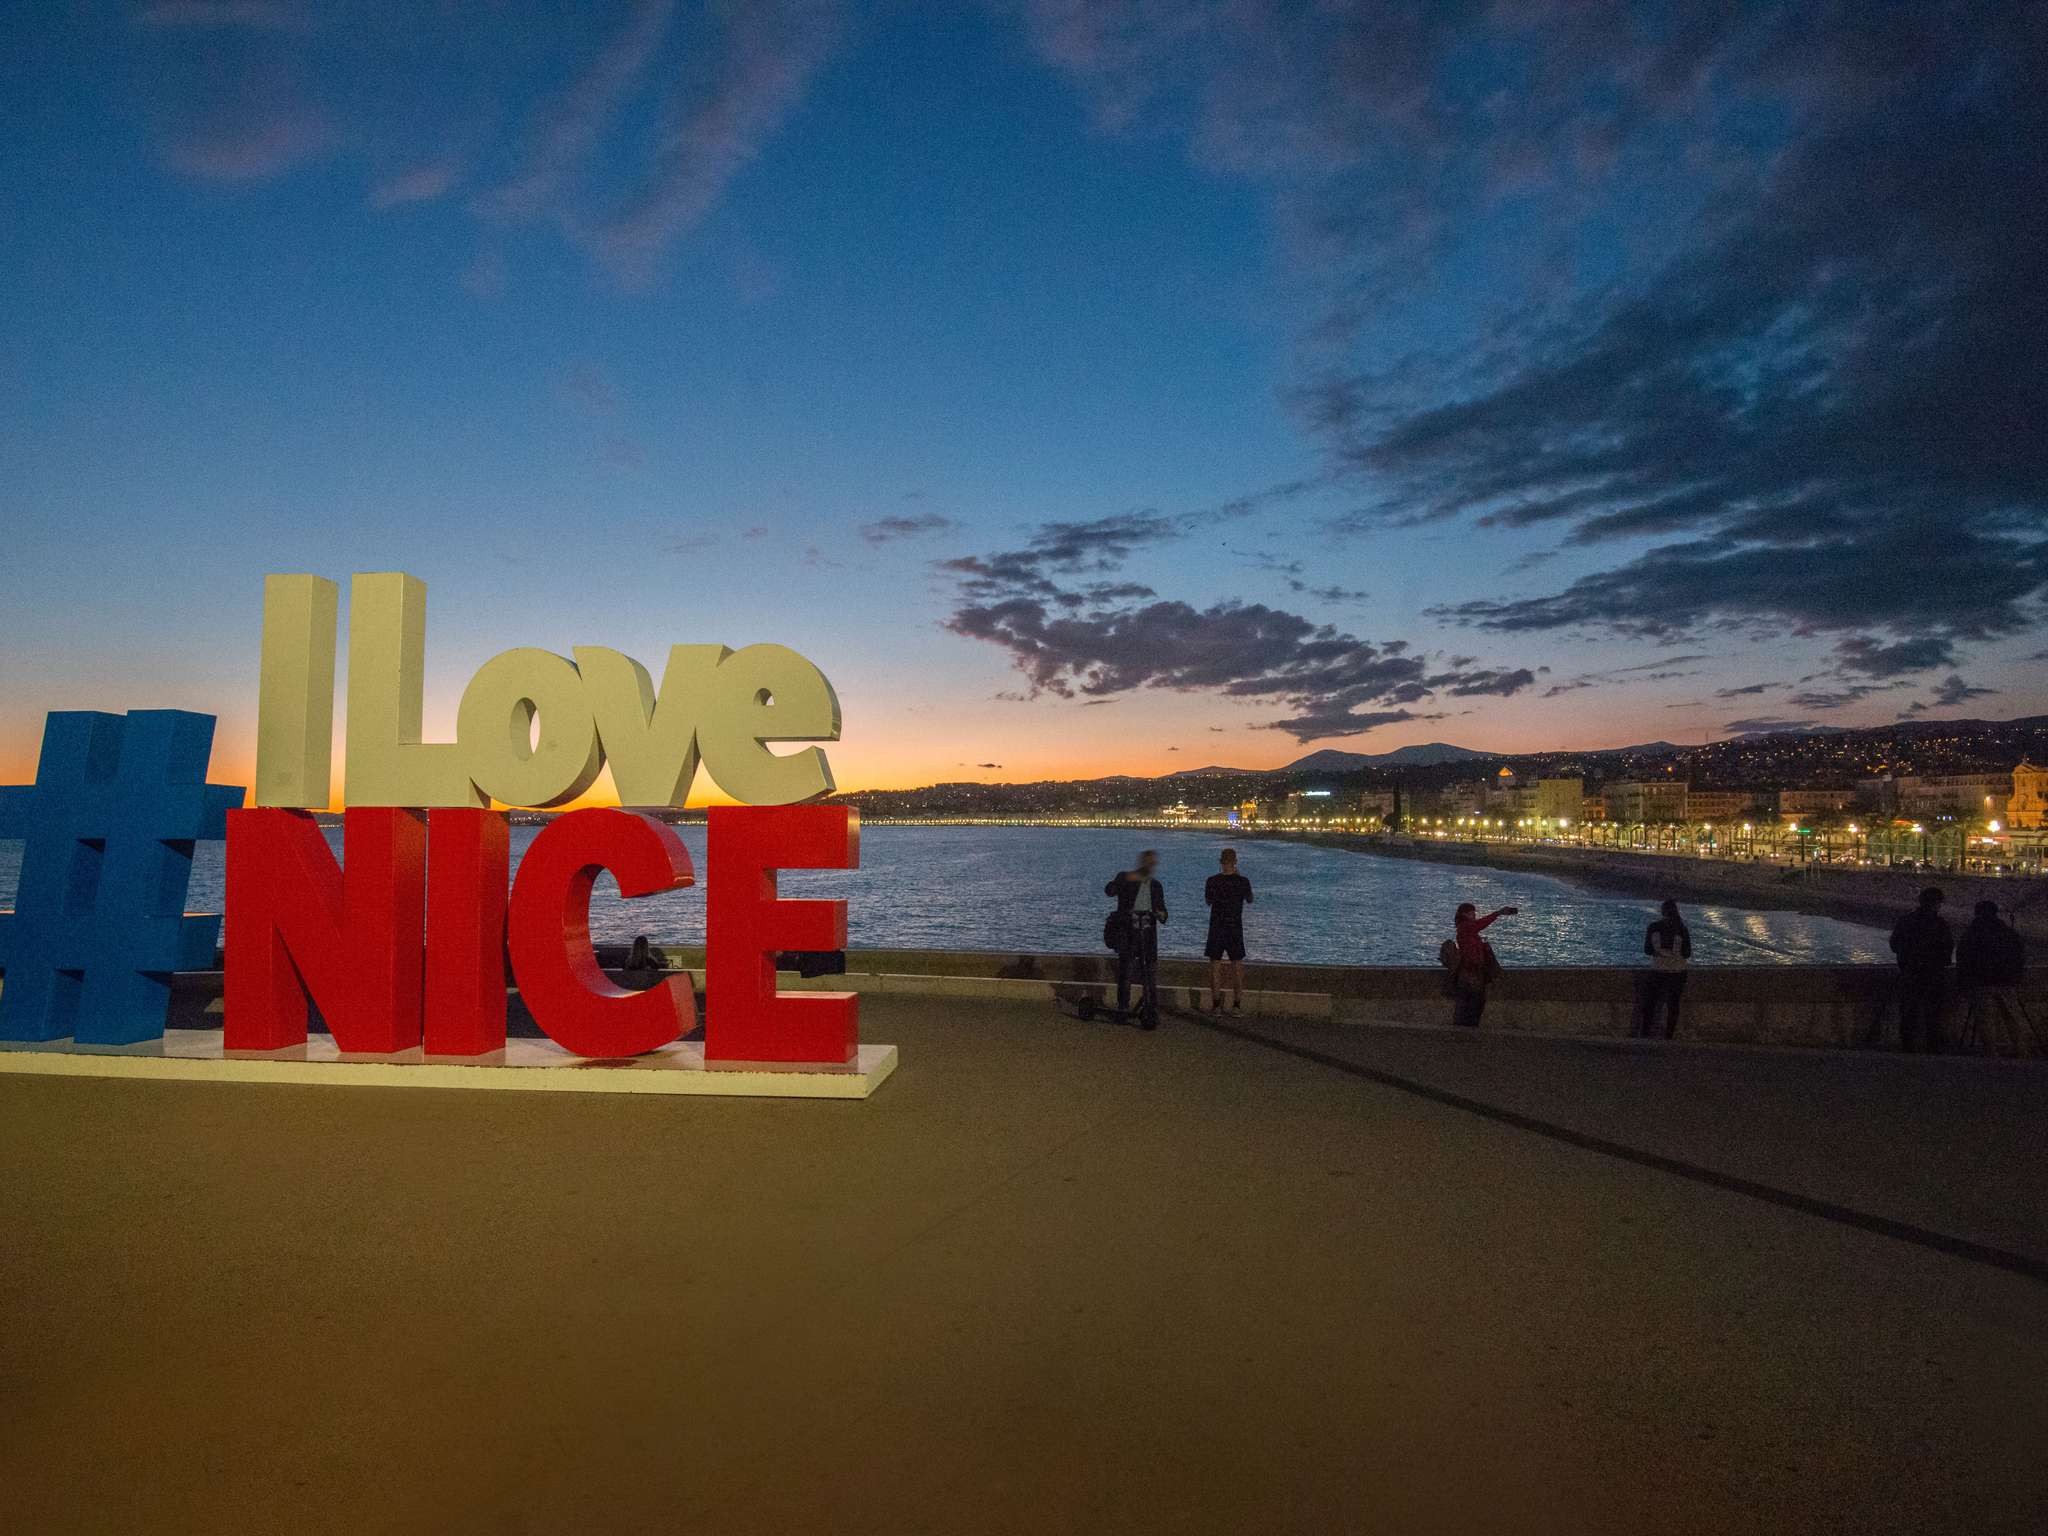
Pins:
x,y
1870,897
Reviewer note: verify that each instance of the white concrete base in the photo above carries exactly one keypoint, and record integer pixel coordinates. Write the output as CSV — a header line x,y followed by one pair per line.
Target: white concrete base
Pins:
x,y
196,1055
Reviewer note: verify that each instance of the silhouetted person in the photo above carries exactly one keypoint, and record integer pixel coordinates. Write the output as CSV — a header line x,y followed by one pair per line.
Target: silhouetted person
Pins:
x,y
1668,943
1923,942
643,968
1477,966
1991,959
1227,893
1140,909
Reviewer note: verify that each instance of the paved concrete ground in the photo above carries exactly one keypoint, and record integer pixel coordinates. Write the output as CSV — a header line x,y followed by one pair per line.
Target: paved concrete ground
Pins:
x,y
1054,1277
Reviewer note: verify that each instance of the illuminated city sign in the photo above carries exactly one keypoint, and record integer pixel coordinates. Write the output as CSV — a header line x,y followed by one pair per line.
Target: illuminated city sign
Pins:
x,y
402,944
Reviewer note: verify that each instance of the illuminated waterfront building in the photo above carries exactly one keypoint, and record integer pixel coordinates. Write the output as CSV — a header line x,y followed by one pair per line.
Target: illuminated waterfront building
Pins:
x,y
2027,810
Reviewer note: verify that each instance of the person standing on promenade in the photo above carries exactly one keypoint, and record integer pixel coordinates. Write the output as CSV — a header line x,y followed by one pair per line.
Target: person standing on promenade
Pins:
x,y
1227,893
1923,942
1990,962
1140,909
1477,965
1668,943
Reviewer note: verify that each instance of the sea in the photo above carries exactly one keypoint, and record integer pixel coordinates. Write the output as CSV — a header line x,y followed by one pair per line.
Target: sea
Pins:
x,y
1039,889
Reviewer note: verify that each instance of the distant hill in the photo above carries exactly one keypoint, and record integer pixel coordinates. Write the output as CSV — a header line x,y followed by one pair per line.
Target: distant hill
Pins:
x,y
1424,754
1765,760
1647,749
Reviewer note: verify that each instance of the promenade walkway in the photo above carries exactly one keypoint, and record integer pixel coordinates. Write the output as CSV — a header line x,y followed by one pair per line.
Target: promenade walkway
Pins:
x,y
1053,1277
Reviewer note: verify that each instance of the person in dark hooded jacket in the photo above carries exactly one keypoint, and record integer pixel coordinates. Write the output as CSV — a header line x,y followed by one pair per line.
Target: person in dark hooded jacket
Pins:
x,y
1924,942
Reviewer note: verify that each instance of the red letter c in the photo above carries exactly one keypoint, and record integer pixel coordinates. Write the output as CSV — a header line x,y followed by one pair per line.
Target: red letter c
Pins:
x,y
548,930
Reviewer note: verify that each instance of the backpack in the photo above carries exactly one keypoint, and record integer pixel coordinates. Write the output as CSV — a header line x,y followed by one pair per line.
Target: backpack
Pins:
x,y
1116,930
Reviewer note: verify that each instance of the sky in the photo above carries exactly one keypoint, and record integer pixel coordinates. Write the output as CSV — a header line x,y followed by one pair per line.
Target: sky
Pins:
x,y
1087,386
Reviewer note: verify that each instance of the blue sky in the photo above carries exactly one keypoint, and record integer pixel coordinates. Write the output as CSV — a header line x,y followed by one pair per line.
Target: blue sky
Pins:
x,y
672,323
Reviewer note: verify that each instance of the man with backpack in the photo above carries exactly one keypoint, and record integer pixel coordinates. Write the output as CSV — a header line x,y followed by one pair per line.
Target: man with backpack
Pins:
x,y
1471,963
1133,932
1991,960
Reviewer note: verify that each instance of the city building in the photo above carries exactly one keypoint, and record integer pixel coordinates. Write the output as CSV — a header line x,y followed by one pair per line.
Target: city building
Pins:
x,y
2027,810
1462,799
1374,804
1634,800
1503,795
1972,797
1710,805
1814,802
1309,805
1557,800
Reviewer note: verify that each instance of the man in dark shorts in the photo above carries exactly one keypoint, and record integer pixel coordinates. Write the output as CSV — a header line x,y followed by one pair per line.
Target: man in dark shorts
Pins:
x,y
1226,893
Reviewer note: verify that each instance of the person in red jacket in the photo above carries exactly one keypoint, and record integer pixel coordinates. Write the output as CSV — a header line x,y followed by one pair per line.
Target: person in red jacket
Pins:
x,y
1476,964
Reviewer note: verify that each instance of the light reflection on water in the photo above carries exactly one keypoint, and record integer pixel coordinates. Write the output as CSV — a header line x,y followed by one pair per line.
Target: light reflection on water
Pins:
x,y
1040,889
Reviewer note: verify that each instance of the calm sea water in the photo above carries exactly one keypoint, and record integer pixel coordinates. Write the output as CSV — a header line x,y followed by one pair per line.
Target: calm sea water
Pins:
x,y
1040,889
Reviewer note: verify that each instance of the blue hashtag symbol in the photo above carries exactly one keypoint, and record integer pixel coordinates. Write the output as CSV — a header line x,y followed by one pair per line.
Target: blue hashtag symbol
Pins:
x,y
99,921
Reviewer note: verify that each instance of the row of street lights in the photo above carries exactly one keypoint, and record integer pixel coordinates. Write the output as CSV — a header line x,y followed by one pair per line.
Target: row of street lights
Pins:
x,y
1947,845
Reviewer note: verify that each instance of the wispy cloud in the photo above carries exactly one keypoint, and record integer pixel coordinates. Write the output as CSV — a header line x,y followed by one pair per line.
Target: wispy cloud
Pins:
x,y
416,184
572,125
761,67
661,109
1663,669
888,530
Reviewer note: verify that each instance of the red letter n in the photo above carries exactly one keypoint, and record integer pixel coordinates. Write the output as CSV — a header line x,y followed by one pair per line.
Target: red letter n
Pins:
x,y
347,937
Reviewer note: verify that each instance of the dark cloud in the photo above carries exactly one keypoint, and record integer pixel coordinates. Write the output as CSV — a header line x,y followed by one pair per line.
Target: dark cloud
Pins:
x,y
1747,690
1337,721
886,530
1821,406
1817,392
1061,549
1838,698
1950,692
1100,639
1487,680
1873,658
1953,690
